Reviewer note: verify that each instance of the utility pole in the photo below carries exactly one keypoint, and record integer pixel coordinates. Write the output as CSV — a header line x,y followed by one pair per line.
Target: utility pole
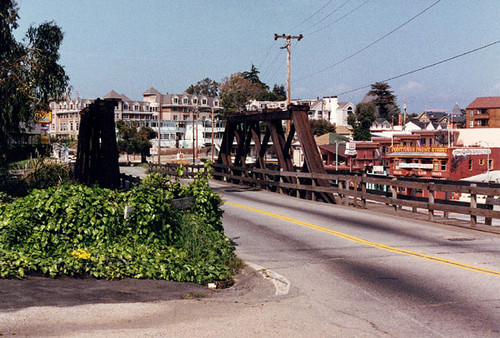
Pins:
x,y
288,61
159,132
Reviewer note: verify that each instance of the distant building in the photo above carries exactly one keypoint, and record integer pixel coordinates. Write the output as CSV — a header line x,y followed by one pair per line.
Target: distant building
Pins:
x,y
185,118
483,112
328,108
380,124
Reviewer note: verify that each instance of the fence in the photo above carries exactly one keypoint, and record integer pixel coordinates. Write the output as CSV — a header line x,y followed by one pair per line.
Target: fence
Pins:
x,y
171,169
358,189
127,182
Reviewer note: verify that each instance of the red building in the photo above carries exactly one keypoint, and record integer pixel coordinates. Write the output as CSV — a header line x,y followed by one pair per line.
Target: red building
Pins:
x,y
483,112
452,163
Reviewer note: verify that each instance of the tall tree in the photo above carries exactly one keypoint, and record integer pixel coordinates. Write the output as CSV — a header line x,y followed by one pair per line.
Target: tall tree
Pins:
x,y
236,91
280,92
133,139
253,76
362,120
206,87
30,75
385,100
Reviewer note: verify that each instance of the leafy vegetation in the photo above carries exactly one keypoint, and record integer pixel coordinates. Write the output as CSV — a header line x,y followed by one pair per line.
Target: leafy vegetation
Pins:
x,y
30,73
362,120
133,139
321,127
38,175
77,230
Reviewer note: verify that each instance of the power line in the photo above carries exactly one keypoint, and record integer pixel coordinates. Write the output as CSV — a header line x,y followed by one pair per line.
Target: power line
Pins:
x,y
371,44
425,67
342,17
267,54
329,2
331,13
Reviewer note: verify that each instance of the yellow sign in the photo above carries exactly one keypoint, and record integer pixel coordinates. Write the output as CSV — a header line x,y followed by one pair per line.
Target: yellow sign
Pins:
x,y
43,117
421,149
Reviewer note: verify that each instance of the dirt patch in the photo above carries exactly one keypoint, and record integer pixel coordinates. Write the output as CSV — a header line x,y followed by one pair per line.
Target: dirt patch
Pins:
x,y
40,291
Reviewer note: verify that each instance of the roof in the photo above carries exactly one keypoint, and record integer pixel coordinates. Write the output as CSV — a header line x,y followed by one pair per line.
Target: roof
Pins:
x,y
330,138
343,130
381,120
112,95
151,91
485,102
332,148
342,104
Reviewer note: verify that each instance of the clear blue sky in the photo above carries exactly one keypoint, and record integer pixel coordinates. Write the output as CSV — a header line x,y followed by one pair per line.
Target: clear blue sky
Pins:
x,y
131,45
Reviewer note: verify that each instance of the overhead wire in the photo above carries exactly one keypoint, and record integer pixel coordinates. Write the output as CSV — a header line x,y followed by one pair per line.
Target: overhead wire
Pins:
x,y
330,14
266,72
426,67
342,17
371,44
307,19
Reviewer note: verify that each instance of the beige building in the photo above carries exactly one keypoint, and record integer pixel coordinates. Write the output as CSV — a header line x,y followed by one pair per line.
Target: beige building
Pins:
x,y
185,118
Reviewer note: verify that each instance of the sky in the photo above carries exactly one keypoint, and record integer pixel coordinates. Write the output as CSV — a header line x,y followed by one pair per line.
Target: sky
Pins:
x,y
132,45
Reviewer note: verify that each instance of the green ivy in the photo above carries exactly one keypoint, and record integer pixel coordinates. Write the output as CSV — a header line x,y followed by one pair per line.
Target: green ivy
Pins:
x,y
77,230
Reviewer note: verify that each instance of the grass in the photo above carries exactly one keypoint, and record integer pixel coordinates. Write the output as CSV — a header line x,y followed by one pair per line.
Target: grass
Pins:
x,y
196,295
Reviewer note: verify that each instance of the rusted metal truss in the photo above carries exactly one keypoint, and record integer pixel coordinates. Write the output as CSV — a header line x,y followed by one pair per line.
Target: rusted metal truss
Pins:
x,y
261,128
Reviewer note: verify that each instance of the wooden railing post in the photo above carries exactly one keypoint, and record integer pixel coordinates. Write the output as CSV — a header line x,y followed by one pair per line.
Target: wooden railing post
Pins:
x,y
345,200
488,220
394,192
430,210
473,205
363,191
446,214
313,183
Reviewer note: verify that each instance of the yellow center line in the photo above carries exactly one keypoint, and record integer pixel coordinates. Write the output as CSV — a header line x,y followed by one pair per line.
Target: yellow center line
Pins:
x,y
372,244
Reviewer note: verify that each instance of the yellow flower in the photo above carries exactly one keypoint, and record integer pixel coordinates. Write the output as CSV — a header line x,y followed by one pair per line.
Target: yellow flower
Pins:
x,y
80,254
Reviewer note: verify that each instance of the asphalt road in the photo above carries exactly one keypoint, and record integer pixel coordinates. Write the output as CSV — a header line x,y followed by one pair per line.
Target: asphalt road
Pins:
x,y
359,273
318,270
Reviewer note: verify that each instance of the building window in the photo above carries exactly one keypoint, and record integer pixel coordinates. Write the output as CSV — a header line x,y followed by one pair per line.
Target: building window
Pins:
x,y
471,123
185,117
204,101
490,164
470,165
175,117
436,165
146,108
216,103
195,101
176,100
443,165
481,161
185,100
471,113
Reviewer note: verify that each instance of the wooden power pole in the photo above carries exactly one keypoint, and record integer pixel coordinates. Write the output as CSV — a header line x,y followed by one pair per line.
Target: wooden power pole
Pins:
x,y
288,60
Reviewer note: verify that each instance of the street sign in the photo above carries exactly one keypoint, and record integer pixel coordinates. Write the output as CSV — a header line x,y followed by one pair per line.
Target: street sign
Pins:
x,y
350,146
350,152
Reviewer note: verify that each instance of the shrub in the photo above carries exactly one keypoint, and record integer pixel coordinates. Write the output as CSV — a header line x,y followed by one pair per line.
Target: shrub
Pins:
x,y
81,231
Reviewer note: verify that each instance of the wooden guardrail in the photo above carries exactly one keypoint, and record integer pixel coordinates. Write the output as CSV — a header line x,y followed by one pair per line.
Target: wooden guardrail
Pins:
x,y
171,169
358,189
127,182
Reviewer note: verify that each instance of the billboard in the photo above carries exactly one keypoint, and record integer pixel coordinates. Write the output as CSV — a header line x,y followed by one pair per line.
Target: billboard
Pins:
x,y
43,117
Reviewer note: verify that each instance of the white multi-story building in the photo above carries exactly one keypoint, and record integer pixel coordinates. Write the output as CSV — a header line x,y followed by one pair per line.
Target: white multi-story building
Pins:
x,y
178,113
328,108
